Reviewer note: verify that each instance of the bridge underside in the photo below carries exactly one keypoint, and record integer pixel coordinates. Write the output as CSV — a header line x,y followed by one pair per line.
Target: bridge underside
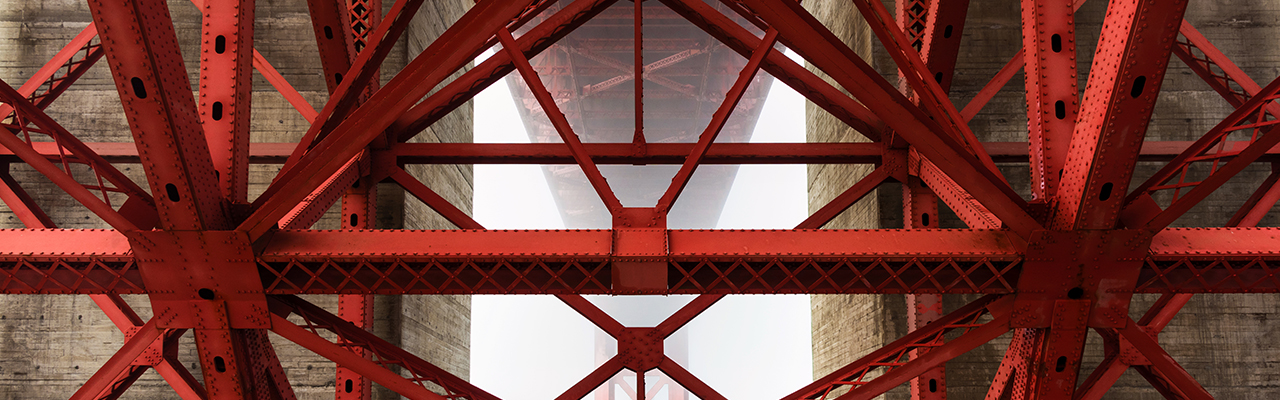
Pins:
x,y
228,267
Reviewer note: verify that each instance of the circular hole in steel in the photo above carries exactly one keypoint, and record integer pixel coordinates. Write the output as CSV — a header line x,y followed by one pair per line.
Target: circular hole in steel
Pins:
x,y
205,293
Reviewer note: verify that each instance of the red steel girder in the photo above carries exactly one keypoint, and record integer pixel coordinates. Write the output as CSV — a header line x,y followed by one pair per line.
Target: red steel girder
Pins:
x,y
493,69
142,49
137,212
1205,60
61,71
640,349
803,81
226,89
1222,260
422,375
1141,209
1048,36
621,153
892,364
367,123
802,33
1129,67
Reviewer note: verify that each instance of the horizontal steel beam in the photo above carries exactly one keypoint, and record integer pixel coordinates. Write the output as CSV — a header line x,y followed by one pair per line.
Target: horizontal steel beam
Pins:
x,y
1190,260
624,153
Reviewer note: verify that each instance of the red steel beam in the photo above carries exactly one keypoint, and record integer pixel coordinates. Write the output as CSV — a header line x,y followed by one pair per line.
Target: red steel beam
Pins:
x,y
721,116
142,48
621,153
429,197
802,33
13,141
422,374
21,204
493,69
846,199
226,90
439,60
360,71
1129,67
1232,83
119,362
890,365
925,88
359,211
567,135
699,262
65,58
1223,260
1210,147
803,81
1048,36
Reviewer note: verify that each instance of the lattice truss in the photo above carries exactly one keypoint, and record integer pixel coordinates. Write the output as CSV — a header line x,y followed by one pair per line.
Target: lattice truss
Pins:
x,y
1050,268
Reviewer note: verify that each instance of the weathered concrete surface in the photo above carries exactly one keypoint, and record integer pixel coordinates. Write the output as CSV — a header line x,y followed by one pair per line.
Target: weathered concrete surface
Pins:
x,y
1228,342
49,345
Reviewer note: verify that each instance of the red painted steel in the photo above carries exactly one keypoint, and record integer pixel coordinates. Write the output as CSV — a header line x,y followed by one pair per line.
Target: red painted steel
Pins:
x,y
1114,113
1047,286
142,49
226,89
1048,35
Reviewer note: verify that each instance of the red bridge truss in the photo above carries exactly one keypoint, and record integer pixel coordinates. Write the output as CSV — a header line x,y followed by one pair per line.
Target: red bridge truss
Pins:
x,y
228,268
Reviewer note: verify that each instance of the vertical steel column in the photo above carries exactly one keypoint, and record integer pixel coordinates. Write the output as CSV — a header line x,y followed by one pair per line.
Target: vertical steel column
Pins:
x,y
359,210
1048,39
226,88
359,206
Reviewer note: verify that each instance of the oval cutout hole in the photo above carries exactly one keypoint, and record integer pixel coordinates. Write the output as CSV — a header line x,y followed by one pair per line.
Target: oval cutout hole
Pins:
x,y
349,386
139,90
328,33
937,77
1138,83
946,32
1105,193
337,78
924,219
220,44
1075,293
219,364
933,386
1062,364
172,191
1055,42
355,220
1060,109
356,184
205,293
217,111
